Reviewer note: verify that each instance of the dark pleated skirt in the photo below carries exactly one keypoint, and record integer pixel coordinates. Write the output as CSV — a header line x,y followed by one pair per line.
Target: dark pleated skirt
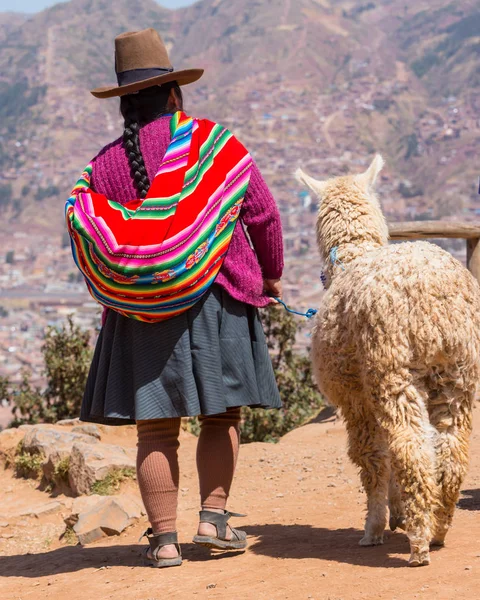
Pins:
x,y
209,359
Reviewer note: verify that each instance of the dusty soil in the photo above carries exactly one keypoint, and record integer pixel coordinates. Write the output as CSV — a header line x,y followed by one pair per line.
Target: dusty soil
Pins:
x,y
305,515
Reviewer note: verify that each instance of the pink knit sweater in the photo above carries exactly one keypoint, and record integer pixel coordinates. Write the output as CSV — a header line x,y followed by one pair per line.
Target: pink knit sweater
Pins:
x,y
244,268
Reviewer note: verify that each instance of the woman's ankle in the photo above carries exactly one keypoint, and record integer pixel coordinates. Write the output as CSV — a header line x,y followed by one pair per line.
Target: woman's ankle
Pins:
x,y
220,511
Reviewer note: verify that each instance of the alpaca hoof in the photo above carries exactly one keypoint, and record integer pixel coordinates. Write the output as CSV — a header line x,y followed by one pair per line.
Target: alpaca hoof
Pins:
x,y
419,559
371,540
397,523
439,537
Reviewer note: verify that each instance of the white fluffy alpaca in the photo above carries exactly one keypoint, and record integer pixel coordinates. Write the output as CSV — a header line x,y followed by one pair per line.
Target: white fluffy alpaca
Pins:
x,y
396,348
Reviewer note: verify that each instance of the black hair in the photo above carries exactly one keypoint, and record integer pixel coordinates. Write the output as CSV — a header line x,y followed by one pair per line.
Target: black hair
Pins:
x,y
137,110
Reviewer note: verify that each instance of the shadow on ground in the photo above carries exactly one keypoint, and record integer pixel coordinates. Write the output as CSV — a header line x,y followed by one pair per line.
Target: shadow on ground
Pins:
x,y
326,415
337,545
275,540
470,500
76,558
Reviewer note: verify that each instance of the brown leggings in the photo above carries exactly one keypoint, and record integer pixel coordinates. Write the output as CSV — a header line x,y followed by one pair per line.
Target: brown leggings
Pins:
x,y
157,465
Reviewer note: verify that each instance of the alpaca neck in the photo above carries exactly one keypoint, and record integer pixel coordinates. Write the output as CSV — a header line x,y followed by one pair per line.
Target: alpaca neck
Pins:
x,y
350,225
339,257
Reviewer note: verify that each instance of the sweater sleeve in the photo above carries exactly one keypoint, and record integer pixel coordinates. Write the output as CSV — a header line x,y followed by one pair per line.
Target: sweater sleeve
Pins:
x,y
261,217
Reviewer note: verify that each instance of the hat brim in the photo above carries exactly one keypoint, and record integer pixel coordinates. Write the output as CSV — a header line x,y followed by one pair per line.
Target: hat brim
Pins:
x,y
181,77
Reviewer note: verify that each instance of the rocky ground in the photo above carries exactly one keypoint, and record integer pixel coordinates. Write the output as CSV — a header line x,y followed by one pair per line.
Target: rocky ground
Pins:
x,y
305,514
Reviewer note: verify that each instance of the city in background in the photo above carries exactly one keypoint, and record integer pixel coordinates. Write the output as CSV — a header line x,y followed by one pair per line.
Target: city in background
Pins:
x,y
314,83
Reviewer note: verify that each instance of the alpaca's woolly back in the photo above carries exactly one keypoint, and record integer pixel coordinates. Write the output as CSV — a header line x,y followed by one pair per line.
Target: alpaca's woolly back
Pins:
x,y
409,306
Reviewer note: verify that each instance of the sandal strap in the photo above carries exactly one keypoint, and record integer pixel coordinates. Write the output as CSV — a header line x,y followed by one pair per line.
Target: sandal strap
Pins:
x,y
220,521
240,535
159,540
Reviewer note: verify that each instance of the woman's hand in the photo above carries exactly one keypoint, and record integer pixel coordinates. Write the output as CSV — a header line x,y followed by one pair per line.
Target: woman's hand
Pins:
x,y
273,288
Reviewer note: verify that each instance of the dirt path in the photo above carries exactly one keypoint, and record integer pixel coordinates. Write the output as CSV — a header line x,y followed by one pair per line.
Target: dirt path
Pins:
x,y
305,518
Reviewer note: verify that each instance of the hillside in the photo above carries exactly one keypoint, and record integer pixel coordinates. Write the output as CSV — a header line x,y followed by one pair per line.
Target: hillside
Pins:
x,y
316,82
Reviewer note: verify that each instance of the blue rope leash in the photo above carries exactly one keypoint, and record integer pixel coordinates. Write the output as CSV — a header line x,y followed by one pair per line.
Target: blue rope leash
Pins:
x,y
311,312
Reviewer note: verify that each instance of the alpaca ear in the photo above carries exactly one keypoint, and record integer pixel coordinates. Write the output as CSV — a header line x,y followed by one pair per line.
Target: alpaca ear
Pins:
x,y
369,178
318,187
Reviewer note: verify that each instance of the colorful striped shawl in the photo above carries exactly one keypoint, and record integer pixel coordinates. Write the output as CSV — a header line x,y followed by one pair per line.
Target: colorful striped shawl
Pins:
x,y
153,259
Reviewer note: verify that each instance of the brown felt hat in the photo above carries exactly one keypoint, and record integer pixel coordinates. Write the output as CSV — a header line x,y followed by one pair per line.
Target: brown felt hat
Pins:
x,y
141,61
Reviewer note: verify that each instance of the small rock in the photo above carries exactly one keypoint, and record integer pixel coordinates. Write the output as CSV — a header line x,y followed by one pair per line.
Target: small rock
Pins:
x,y
9,439
468,568
54,445
89,429
92,462
109,515
68,422
80,505
280,495
332,485
3,524
39,511
211,586
26,427
6,536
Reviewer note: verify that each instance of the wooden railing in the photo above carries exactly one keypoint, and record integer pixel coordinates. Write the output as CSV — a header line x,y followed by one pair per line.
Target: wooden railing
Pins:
x,y
415,230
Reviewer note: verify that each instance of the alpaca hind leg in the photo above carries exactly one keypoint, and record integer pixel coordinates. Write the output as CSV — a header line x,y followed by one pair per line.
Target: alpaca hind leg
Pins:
x,y
368,450
395,504
452,418
402,412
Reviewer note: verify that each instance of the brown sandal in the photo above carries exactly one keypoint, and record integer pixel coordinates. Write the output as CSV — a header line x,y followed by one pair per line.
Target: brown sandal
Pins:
x,y
239,538
158,541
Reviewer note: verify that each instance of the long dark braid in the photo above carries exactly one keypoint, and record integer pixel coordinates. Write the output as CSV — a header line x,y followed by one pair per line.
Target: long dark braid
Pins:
x,y
131,141
138,110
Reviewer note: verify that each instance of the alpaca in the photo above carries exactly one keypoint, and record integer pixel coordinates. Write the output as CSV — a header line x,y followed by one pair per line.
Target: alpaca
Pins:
x,y
396,347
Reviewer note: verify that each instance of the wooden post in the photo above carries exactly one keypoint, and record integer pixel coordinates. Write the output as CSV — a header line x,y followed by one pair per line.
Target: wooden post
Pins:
x,y
473,257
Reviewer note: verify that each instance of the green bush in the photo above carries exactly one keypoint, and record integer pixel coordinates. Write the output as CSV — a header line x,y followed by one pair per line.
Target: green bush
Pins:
x,y
67,356
28,402
61,470
4,388
27,465
111,483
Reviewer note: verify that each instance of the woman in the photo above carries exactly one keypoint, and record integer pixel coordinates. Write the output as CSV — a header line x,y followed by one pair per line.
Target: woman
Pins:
x,y
209,361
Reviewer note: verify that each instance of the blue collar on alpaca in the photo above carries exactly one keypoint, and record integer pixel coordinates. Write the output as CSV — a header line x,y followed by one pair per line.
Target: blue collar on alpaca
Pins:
x,y
334,258
335,261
